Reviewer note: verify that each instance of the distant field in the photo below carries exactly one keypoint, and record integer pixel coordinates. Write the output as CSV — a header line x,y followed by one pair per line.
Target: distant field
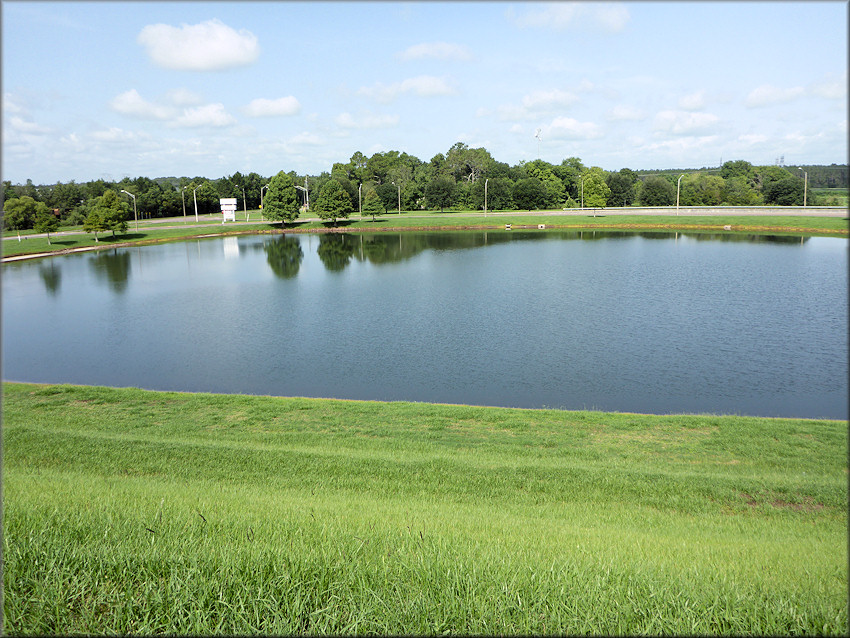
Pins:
x,y
128,511
832,196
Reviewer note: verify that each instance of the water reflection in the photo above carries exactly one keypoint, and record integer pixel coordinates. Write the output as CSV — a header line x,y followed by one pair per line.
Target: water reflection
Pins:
x,y
336,250
51,275
284,256
112,267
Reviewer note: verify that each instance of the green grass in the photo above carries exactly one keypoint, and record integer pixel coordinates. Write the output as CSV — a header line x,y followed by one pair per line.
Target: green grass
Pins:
x,y
129,511
151,232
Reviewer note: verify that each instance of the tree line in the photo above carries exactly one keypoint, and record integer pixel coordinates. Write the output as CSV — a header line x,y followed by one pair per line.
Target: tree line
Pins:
x,y
462,179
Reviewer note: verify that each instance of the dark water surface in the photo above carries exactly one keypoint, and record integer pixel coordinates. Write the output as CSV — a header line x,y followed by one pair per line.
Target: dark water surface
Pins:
x,y
657,323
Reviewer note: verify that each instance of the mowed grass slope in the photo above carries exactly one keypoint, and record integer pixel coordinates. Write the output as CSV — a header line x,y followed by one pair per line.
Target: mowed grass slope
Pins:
x,y
144,512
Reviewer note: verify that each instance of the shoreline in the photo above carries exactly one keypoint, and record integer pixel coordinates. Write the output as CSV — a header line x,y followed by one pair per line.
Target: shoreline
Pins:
x,y
378,403
628,226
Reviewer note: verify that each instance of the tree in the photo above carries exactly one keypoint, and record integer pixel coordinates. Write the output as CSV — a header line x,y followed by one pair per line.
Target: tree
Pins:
x,y
281,201
440,193
657,191
596,191
19,213
333,202
388,194
45,220
112,213
530,194
701,190
372,204
785,192
737,191
622,185
94,223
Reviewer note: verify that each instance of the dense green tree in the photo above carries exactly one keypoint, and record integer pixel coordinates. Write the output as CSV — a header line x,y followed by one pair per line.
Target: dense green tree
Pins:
x,y
440,193
45,220
569,172
738,168
596,191
530,194
623,187
19,213
333,202
657,191
737,191
785,192
281,201
699,189
372,204
111,212
94,223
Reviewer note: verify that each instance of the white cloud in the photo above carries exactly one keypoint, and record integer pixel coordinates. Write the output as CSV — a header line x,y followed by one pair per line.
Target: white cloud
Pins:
x,y
207,115
184,97
549,99
305,137
208,46
366,121
685,123
571,129
114,134
132,104
10,105
436,51
693,102
831,89
752,139
262,107
767,95
20,125
626,113
609,17
423,85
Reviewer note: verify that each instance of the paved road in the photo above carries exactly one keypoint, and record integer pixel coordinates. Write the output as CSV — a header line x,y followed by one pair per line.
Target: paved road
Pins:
x,y
684,211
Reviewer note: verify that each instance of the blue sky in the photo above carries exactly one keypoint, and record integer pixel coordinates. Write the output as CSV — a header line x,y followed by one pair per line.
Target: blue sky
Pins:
x,y
107,90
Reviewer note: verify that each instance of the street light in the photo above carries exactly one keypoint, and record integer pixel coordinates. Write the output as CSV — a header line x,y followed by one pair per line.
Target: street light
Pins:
x,y
399,196
485,196
195,197
261,200
582,192
135,213
678,182
360,199
805,185
183,197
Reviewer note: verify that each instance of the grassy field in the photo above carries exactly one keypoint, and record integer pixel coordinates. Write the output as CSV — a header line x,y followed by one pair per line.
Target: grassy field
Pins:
x,y
150,232
129,511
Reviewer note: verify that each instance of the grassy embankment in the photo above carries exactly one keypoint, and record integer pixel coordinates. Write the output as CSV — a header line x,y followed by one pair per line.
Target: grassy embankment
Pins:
x,y
139,512
155,232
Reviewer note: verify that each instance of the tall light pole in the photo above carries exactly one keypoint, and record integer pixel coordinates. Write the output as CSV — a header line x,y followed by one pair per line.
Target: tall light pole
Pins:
x,y
244,204
183,197
805,185
582,192
485,196
360,199
678,183
135,213
399,196
261,200
195,197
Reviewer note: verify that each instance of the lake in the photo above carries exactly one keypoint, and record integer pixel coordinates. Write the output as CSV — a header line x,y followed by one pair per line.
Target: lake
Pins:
x,y
634,322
